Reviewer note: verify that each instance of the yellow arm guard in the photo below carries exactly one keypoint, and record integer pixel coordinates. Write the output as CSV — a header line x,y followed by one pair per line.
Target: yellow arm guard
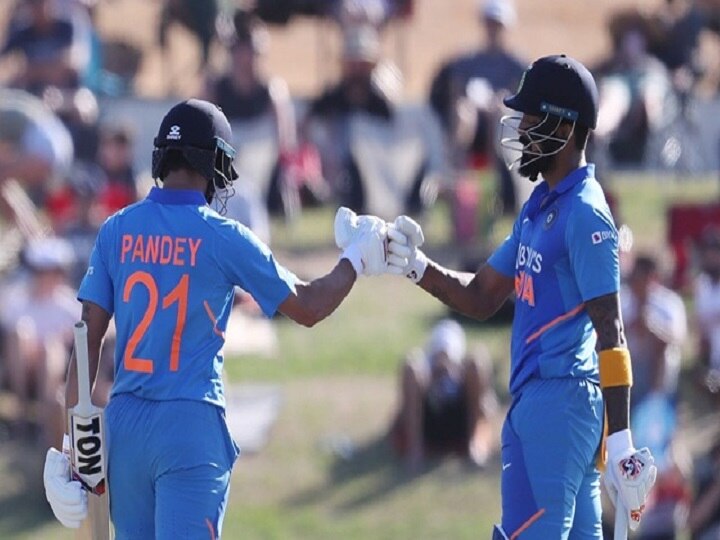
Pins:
x,y
615,367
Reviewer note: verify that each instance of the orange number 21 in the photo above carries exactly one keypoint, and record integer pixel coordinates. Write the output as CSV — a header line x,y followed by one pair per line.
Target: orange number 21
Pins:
x,y
179,294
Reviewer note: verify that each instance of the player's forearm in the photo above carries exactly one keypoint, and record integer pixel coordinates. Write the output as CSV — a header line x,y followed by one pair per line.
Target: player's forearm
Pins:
x,y
617,407
604,312
314,301
462,291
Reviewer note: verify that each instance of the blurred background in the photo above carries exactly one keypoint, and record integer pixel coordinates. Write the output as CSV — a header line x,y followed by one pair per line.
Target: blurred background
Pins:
x,y
388,107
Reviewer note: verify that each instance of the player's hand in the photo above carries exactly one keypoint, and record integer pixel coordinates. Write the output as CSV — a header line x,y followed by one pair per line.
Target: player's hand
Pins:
x,y
67,498
630,475
404,255
364,241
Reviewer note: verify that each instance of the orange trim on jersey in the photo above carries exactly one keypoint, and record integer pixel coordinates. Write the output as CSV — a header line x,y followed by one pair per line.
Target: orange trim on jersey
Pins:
x,y
210,314
529,522
544,328
210,528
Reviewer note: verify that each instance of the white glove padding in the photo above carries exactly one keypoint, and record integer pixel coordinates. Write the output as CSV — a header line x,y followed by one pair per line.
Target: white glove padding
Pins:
x,y
404,257
67,498
364,240
348,226
630,475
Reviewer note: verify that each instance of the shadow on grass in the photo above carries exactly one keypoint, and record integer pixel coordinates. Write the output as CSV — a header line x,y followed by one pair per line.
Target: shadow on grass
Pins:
x,y
23,507
364,476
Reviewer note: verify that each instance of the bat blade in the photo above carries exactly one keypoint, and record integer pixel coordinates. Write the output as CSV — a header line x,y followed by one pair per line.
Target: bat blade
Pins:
x,y
87,447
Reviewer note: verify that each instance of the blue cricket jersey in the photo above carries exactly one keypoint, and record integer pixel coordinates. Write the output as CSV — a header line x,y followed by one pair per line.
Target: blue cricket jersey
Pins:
x,y
562,252
166,268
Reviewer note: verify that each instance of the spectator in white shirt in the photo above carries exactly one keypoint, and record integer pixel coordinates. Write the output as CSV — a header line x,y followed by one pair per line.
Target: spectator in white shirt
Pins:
x,y
656,327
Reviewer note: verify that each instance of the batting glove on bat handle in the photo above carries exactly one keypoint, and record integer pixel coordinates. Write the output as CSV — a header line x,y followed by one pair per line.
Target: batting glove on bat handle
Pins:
x,y
630,475
67,498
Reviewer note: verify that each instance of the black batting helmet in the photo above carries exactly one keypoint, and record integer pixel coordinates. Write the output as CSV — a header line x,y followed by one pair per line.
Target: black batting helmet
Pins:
x,y
557,85
199,130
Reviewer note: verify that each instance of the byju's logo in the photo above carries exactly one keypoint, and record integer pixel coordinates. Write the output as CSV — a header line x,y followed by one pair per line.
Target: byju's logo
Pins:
x,y
174,133
600,236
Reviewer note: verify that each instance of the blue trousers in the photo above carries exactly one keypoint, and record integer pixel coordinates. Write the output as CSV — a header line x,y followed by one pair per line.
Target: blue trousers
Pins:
x,y
550,483
169,465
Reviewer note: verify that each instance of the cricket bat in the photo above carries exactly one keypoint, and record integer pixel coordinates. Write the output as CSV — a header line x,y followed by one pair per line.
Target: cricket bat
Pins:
x,y
621,520
87,447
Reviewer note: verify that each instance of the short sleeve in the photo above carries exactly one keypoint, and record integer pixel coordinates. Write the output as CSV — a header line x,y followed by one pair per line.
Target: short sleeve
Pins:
x,y
97,285
249,264
592,244
504,257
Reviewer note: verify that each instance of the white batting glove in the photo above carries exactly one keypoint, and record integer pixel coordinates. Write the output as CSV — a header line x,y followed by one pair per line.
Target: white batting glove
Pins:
x,y
364,241
404,257
630,475
67,498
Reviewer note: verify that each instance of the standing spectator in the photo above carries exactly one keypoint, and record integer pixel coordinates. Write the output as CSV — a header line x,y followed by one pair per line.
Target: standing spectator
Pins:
x,y
467,96
707,308
328,116
448,402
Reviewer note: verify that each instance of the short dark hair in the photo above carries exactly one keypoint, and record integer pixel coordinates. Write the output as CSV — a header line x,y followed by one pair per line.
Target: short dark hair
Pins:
x,y
174,160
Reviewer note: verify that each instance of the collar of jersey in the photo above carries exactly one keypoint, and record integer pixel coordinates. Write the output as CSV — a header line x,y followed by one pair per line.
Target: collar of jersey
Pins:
x,y
542,197
176,196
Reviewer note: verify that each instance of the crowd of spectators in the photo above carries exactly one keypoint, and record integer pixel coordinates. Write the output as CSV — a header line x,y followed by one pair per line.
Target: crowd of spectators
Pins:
x,y
355,144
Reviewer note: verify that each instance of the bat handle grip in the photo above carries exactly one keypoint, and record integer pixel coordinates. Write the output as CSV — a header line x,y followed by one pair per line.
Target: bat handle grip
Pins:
x,y
82,361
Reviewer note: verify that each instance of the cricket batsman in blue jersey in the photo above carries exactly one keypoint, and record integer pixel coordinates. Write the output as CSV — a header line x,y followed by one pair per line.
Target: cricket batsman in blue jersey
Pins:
x,y
165,268
571,372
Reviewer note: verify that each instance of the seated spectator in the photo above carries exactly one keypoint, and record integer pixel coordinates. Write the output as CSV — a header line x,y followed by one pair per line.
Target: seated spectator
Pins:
x,y
35,146
447,402
706,298
376,156
37,319
45,41
115,158
78,109
467,92
265,129
326,122
704,518
655,327
635,91
96,188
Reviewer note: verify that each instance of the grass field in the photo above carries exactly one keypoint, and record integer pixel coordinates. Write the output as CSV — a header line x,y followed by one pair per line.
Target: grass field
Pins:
x,y
327,472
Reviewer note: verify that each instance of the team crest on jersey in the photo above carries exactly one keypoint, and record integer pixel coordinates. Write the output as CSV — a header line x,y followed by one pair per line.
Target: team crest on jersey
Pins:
x,y
551,218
